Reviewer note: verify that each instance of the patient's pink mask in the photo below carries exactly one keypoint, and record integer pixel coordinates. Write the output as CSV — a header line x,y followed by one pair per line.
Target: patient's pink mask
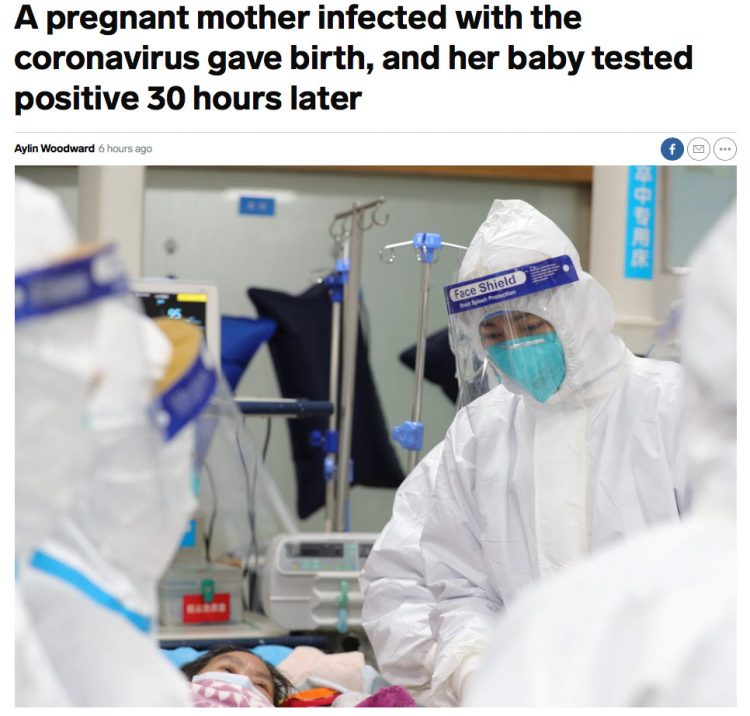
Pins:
x,y
219,688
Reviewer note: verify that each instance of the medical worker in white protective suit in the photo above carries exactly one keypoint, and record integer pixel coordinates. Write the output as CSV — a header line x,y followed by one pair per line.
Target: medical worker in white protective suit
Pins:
x,y
44,351
91,585
653,620
397,604
576,451
44,489
88,586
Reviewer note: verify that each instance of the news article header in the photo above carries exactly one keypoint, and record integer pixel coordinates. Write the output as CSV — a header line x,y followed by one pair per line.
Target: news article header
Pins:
x,y
329,60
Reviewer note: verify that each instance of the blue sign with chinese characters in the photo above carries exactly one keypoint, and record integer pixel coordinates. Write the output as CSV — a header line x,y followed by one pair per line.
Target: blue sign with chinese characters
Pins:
x,y
258,205
639,232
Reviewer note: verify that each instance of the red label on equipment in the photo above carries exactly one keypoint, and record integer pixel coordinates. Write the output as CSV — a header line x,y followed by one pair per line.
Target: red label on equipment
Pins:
x,y
195,610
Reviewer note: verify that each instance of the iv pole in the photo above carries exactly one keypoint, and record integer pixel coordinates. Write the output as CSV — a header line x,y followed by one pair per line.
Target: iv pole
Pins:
x,y
427,246
352,223
336,282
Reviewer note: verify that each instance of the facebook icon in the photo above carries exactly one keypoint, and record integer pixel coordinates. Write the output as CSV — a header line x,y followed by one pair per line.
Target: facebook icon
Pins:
x,y
672,149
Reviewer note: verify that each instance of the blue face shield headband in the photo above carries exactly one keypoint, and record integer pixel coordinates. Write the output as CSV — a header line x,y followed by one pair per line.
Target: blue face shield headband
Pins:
x,y
536,363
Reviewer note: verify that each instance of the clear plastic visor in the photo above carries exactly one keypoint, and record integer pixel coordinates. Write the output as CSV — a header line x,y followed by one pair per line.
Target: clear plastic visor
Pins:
x,y
517,349
505,328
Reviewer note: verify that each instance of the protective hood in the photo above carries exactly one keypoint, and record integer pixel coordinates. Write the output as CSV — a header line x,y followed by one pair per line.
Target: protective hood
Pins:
x,y
581,312
709,353
64,311
43,230
132,510
141,496
44,487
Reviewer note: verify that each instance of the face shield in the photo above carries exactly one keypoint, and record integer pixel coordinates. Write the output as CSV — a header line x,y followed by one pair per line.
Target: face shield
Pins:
x,y
142,495
503,329
228,474
65,313
218,513
178,466
520,262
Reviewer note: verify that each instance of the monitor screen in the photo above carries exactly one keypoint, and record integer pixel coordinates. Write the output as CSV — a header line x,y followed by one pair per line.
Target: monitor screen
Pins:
x,y
195,303
190,307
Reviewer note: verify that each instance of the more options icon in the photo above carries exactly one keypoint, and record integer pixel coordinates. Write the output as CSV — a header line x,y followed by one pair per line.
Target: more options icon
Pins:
x,y
725,149
698,149
672,149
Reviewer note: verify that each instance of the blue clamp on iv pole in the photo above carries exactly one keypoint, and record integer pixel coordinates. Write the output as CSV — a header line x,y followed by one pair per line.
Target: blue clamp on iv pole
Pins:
x,y
328,440
427,245
409,435
336,280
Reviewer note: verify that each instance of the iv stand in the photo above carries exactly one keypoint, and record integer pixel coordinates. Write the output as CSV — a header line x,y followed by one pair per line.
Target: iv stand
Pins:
x,y
333,392
410,433
354,219
336,282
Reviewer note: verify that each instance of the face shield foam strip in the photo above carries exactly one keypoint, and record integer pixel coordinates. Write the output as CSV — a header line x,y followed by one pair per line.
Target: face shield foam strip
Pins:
x,y
505,285
69,284
44,563
182,402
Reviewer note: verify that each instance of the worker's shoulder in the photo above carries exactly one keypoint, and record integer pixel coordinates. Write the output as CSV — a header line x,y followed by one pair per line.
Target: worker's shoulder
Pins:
x,y
494,398
661,376
487,413
666,369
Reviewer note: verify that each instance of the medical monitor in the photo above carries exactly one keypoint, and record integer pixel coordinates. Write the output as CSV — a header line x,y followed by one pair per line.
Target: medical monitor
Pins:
x,y
196,303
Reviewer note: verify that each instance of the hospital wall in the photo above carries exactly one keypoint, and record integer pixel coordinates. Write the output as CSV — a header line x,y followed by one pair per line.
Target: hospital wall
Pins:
x,y
191,229
689,200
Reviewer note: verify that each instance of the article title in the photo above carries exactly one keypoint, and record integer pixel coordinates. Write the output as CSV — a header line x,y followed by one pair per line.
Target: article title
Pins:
x,y
331,77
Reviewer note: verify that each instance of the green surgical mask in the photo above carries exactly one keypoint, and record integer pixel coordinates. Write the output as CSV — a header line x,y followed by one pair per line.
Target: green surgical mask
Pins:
x,y
536,363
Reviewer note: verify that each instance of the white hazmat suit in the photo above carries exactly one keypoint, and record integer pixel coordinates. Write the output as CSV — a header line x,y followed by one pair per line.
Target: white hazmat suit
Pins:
x,y
48,396
526,487
54,311
651,621
397,604
68,300
90,587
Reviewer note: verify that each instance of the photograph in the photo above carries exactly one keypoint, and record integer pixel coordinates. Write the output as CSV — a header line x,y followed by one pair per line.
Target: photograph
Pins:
x,y
415,435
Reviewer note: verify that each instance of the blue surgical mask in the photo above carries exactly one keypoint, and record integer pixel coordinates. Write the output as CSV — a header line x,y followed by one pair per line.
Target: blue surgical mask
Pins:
x,y
536,363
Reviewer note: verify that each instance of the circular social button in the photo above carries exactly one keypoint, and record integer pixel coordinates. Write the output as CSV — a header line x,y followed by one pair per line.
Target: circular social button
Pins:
x,y
698,149
725,149
672,149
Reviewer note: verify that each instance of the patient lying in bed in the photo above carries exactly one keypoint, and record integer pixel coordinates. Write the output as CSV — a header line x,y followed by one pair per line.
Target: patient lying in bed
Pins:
x,y
231,676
